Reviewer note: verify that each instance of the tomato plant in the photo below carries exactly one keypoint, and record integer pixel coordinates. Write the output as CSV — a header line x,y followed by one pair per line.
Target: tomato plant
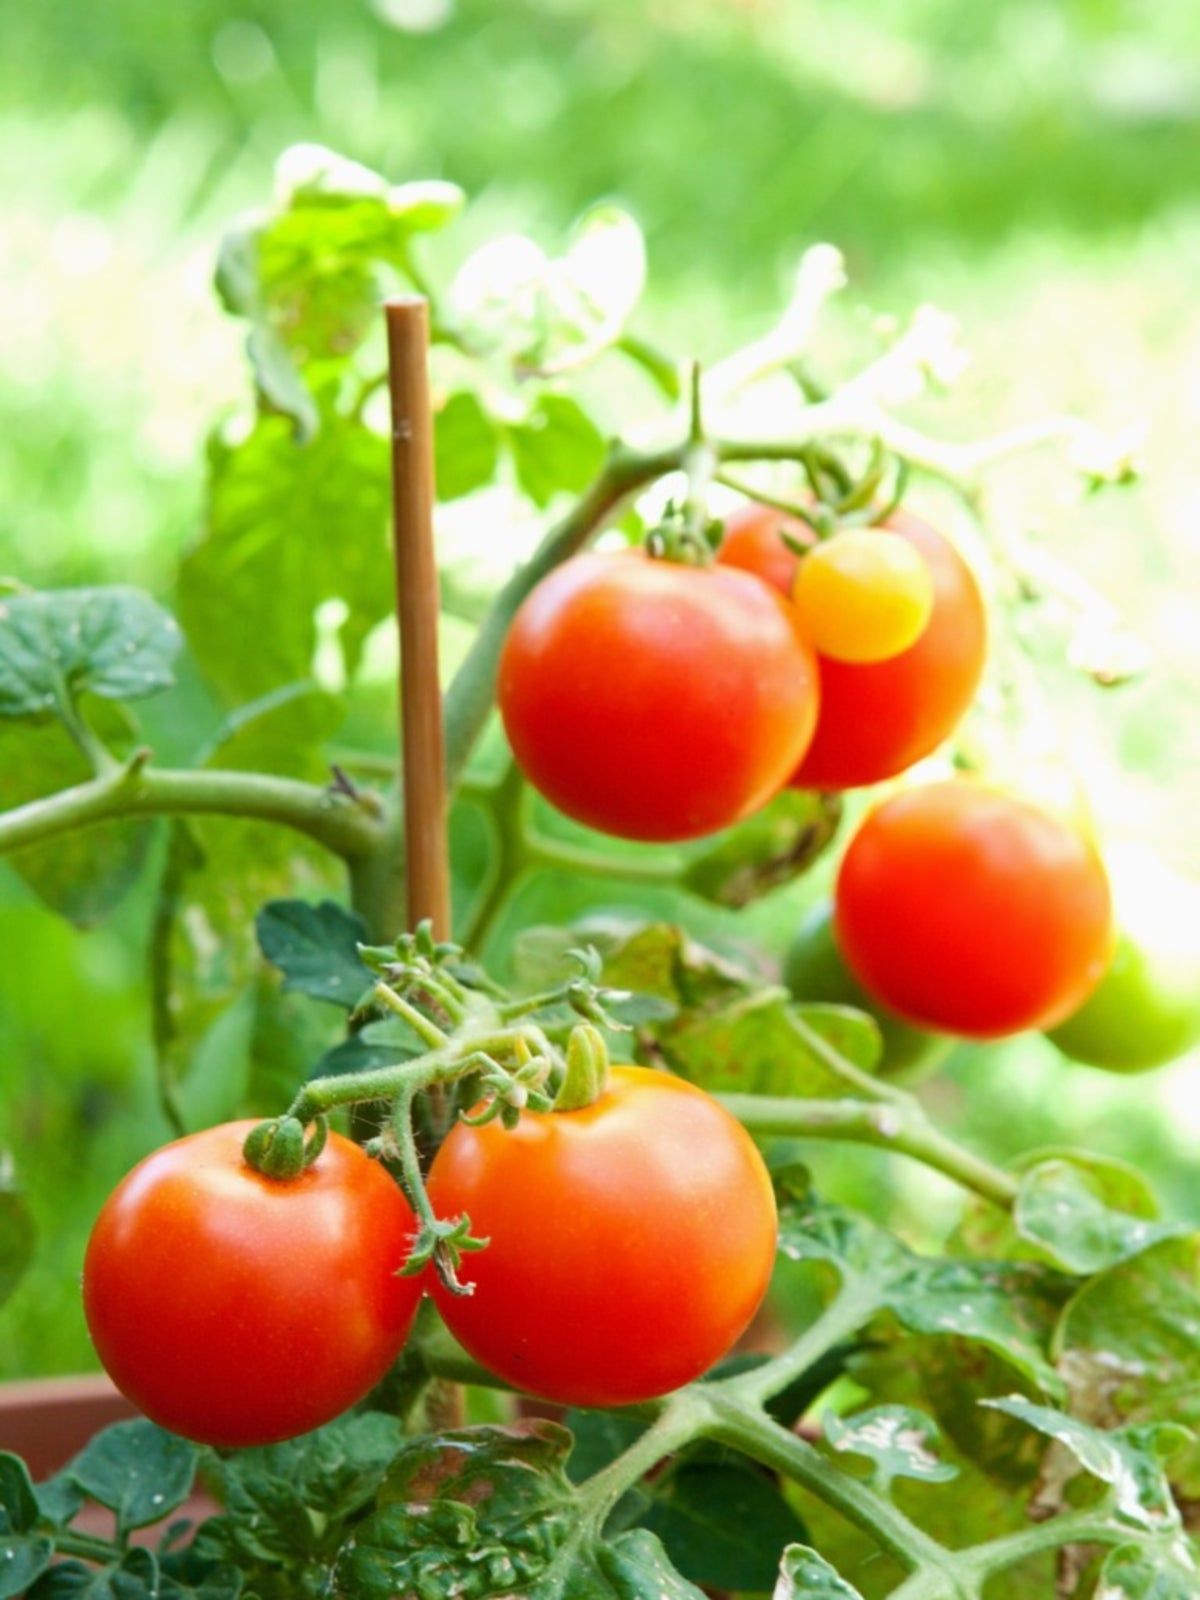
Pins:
x,y
878,718
204,1279
1002,1414
972,911
653,1188
656,700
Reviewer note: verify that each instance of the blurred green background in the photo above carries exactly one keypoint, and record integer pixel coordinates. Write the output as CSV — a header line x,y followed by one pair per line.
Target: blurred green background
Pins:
x,y
1031,168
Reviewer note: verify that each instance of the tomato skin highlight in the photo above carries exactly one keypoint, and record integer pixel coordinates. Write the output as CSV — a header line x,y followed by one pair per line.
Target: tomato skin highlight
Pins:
x,y
878,718
630,1243
972,912
653,700
237,1310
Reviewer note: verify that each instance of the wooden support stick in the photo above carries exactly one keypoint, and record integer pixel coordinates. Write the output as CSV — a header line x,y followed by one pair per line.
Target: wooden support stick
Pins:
x,y
417,608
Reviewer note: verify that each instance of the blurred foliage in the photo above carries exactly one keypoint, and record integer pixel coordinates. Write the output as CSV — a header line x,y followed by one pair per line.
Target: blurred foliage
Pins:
x,y
1030,167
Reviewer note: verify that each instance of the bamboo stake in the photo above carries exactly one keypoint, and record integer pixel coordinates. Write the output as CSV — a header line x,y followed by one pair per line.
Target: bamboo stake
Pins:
x,y
427,854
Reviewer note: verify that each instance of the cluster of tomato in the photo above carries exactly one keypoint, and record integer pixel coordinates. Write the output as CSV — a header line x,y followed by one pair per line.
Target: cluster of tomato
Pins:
x,y
657,700
661,700
238,1309
654,699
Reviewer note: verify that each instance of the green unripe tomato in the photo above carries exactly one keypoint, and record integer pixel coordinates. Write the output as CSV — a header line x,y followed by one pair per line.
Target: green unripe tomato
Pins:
x,y
813,969
1145,1012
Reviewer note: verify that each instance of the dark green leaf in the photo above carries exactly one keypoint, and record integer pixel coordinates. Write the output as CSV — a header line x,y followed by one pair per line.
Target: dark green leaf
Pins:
x,y
112,642
16,1236
286,1504
135,1577
485,1512
721,1522
18,1499
136,1469
776,845
316,949
466,446
804,1575
59,1499
23,1558
720,1519
900,1442
556,450
353,1055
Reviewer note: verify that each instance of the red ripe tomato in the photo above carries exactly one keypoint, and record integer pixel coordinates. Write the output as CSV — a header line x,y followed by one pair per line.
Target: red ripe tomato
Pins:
x,y
236,1309
630,1242
878,718
970,911
654,700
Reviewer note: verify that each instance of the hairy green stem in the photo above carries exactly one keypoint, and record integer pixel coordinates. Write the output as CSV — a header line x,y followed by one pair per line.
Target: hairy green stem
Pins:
x,y
1079,1527
683,1417
342,825
886,1126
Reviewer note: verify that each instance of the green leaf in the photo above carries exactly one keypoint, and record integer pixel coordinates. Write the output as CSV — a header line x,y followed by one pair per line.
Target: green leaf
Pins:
x,y
804,1575
17,1236
720,1024
23,1558
310,276
466,446
557,449
138,1471
1008,1307
286,1504
305,524
83,874
764,1044
721,1519
1127,1343
135,1577
1087,1214
900,1442
773,847
18,1499
1134,1573
114,642
213,1088
59,1499
721,1522
485,1512
1129,1460
316,949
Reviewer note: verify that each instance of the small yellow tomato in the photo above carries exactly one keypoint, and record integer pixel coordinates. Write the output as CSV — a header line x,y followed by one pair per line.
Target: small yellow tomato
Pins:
x,y
864,595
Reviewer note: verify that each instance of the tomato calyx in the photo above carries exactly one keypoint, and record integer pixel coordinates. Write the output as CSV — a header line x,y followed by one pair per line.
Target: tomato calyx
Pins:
x,y
587,1070
282,1148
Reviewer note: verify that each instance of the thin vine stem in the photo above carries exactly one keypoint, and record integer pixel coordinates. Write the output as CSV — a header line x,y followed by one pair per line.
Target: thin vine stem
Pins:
x,y
904,1129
